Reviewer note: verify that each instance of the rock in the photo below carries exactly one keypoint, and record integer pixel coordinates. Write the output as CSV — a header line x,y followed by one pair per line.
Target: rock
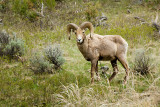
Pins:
x,y
104,68
128,11
101,20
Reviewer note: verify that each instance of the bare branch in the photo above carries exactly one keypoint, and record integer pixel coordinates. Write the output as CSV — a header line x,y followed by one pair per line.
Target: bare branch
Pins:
x,y
42,10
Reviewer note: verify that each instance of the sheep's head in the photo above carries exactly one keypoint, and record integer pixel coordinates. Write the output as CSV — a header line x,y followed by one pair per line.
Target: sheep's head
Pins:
x,y
79,31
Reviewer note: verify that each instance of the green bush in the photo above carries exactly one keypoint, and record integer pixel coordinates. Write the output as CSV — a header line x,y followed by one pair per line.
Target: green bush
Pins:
x,y
50,3
92,11
31,8
40,65
4,5
54,55
20,7
14,48
11,47
32,16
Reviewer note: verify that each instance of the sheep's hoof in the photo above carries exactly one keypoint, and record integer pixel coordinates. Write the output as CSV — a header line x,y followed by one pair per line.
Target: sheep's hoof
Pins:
x,y
124,85
124,82
98,78
92,80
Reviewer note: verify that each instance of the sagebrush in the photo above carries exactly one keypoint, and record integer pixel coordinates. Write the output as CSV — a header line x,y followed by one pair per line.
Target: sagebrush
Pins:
x,y
4,40
40,65
142,64
54,55
15,48
11,46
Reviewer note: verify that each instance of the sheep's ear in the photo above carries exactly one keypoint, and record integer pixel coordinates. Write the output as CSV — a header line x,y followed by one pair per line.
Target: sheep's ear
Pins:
x,y
75,31
83,31
72,31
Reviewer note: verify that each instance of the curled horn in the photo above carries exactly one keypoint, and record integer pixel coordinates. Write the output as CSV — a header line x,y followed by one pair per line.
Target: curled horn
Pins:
x,y
89,26
69,27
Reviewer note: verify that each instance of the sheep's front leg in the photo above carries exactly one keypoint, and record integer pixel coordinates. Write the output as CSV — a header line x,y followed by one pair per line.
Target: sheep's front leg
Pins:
x,y
93,69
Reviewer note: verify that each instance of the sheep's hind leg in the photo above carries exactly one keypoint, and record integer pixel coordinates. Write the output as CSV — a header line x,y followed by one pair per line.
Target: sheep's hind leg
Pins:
x,y
98,77
124,63
115,69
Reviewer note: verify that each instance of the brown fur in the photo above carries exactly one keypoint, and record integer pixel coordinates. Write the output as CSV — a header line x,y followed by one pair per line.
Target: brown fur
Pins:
x,y
103,48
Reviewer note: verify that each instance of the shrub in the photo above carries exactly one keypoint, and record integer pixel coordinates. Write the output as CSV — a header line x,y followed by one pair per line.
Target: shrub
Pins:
x,y
20,6
54,55
14,48
11,46
91,11
31,8
142,64
4,4
32,16
4,40
49,3
40,65
46,63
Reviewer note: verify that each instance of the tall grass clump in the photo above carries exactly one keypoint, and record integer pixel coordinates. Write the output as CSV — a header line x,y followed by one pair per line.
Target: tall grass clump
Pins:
x,y
73,95
54,55
142,63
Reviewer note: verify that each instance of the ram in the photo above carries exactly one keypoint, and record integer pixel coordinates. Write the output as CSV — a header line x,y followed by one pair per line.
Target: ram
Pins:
x,y
95,47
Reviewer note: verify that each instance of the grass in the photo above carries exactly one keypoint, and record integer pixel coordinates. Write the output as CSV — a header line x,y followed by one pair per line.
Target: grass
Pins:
x,y
70,86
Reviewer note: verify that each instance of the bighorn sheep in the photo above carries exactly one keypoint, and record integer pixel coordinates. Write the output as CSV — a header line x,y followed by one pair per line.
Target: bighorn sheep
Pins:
x,y
95,47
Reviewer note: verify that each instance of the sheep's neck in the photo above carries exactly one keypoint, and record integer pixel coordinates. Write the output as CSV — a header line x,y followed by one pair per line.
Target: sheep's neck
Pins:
x,y
84,48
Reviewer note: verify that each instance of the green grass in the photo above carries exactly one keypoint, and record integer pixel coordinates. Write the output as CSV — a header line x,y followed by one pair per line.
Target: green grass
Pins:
x,y
70,86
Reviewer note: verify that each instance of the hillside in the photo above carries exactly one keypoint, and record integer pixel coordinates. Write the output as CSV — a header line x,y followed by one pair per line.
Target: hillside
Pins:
x,y
41,24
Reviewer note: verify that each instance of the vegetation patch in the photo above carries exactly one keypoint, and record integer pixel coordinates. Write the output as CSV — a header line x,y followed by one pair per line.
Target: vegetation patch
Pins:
x,y
142,63
48,61
54,55
40,65
11,46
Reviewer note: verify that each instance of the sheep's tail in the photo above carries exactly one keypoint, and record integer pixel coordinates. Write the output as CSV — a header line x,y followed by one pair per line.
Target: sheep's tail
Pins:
x,y
125,46
156,19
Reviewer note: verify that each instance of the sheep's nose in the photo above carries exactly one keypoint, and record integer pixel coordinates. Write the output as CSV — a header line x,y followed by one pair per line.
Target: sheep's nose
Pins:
x,y
79,40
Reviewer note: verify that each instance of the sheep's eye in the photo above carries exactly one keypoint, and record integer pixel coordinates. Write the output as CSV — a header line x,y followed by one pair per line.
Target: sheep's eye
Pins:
x,y
75,33
82,32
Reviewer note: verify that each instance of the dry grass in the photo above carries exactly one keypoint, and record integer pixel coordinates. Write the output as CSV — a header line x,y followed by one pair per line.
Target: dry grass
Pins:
x,y
72,96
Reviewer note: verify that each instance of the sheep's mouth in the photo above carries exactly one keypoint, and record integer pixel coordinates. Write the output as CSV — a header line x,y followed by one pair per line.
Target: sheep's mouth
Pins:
x,y
80,41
